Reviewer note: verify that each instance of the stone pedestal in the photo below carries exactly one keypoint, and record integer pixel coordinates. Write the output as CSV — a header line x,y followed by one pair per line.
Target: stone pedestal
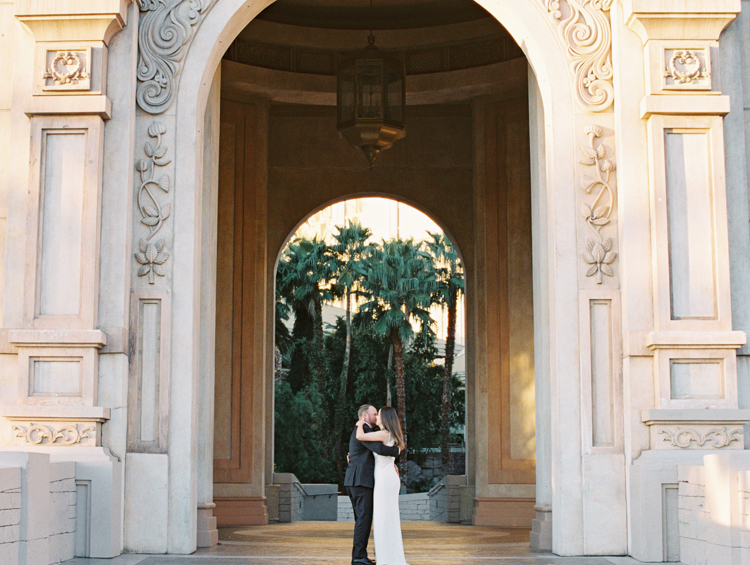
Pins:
x,y
208,534
540,538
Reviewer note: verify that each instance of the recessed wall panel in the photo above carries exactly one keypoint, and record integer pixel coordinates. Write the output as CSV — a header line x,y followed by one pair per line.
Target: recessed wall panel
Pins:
x,y
697,378
690,229
62,200
56,377
602,378
150,369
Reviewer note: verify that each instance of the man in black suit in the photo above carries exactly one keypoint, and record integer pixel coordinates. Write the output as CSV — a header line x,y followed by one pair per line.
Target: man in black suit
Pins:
x,y
360,480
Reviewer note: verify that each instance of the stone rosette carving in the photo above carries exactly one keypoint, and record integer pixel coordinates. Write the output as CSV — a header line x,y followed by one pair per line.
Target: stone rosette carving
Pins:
x,y
717,437
49,434
67,70
585,30
164,30
597,212
153,212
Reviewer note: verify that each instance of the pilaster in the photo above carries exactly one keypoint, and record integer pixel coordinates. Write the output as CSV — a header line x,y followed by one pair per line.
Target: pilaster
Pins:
x,y
692,340
58,343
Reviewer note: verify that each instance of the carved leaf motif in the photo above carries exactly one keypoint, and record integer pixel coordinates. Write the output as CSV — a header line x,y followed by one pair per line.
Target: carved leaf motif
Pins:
x,y
143,271
143,246
607,270
600,151
141,258
151,253
159,270
162,162
585,211
160,245
590,152
592,270
150,210
608,244
588,162
164,181
165,211
161,258
141,165
150,220
148,149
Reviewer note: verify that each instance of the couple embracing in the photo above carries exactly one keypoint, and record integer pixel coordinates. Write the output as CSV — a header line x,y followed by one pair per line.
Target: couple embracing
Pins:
x,y
373,485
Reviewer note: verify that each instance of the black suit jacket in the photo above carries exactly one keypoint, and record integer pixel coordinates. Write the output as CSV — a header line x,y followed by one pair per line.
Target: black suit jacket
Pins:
x,y
361,469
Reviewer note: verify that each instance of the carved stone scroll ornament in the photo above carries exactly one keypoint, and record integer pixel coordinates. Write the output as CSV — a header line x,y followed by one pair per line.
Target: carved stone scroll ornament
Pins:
x,y
153,213
45,434
165,29
718,436
598,255
586,32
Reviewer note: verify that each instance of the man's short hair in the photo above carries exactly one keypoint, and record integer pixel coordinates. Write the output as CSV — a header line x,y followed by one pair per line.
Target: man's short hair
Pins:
x,y
363,409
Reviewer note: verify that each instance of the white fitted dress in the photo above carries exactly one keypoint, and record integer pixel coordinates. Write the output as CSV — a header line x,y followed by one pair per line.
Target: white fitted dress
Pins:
x,y
386,520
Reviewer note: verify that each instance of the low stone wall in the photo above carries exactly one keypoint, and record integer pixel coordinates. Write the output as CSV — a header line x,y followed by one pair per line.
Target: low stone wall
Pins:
x,y
62,516
413,508
10,514
713,510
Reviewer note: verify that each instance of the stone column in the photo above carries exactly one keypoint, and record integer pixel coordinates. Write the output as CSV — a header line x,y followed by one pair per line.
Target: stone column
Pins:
x,y
691,340
58,340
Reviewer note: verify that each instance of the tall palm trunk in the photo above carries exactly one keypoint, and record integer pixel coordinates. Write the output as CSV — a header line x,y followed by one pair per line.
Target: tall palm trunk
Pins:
x,y
318,358
398,353
450,346
341,404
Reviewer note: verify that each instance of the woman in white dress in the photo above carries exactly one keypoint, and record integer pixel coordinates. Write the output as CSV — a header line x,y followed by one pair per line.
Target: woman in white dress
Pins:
x,y
386,520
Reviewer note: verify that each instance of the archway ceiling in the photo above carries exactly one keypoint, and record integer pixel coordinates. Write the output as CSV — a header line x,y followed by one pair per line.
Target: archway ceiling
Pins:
x,y
386,14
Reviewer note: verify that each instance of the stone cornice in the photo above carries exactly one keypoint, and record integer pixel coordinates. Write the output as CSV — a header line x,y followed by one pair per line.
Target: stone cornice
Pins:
x,y
679,19
69,20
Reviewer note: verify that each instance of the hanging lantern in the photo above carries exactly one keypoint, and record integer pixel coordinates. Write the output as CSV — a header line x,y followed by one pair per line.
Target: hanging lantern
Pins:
x,y
371,98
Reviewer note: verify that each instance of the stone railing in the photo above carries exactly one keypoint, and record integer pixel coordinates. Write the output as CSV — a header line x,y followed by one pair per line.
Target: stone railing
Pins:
x,y
298,502
452,500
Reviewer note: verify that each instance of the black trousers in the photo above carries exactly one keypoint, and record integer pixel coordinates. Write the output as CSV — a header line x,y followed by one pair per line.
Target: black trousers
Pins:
x,y
361,498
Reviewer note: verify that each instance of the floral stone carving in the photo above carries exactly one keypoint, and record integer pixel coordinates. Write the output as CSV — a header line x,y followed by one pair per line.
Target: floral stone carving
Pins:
x,y
67,68
164,30
718,437
598,255
46,434
686,67
585,30
153,212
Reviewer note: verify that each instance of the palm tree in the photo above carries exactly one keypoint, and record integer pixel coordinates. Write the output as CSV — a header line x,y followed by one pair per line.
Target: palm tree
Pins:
x,y
349,250
450,276
399,280
307,273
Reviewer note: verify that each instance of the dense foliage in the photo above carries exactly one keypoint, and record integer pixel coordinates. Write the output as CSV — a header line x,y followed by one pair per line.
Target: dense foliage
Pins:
x,y
371,355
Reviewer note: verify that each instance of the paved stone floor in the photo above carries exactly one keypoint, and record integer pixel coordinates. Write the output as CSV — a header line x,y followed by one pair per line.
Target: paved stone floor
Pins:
x,y
316,543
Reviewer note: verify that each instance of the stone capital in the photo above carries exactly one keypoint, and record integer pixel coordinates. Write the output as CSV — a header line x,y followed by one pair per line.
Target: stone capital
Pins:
x,y
72,20
679,19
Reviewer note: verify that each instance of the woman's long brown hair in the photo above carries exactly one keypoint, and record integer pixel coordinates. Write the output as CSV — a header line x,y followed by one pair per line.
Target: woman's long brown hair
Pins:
x,y
389,419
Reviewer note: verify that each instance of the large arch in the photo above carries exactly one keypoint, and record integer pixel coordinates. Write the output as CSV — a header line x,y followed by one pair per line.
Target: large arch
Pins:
x,y
553,132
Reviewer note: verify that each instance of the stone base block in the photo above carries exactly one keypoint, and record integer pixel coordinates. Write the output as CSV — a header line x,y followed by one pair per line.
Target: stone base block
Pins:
x,y
504,512
207,535
241,511
540,537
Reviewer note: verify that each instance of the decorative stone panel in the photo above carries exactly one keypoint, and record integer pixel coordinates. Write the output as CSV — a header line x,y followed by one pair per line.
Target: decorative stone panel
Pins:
x,y
696,429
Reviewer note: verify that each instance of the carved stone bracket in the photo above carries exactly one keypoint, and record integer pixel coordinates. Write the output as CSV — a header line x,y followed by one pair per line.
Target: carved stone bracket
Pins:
x,y
153,212
702,428
584,28
165,29
597,213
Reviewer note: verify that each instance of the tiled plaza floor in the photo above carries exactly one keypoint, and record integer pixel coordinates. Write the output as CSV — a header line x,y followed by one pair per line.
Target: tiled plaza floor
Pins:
x,y
316,543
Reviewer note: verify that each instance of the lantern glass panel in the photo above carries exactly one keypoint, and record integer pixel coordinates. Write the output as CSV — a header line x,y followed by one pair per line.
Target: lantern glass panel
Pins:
x,y
369,91
346,94
394,92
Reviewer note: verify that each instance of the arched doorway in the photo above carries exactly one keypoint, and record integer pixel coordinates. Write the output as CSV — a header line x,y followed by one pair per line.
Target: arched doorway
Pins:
x,y
553,158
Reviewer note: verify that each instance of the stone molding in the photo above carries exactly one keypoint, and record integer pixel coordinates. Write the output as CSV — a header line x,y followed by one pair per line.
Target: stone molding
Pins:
x,y
585,31
696,429
83,20
56,425
164,31
679,19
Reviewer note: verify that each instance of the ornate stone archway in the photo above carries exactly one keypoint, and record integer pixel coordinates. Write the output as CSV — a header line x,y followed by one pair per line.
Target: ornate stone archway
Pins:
x,y
619,85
